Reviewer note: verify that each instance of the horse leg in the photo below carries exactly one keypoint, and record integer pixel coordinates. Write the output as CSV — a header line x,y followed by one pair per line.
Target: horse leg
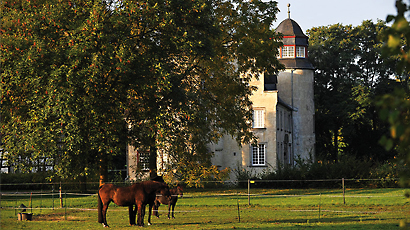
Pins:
x,y
173,207
169,209
104,214
149,214
131,214
140,217
100,204
156,207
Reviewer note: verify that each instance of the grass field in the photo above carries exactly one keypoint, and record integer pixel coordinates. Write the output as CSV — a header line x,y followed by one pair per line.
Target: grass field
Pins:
x,y
228,209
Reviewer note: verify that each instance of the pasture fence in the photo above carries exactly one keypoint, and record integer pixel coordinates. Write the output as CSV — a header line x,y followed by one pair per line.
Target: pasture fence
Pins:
x,y
61,196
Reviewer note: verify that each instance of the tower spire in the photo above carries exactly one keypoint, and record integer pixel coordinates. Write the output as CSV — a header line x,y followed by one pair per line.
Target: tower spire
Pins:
x,y
289,10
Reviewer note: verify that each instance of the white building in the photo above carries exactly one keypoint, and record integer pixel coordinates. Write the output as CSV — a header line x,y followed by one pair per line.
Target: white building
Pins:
x,y
283,113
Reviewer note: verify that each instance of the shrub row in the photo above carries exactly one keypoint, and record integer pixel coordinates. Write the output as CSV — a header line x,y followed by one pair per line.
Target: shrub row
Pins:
x,y
327,174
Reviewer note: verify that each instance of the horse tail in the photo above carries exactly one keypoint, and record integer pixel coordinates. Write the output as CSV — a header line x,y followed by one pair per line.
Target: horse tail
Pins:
x,y
100,206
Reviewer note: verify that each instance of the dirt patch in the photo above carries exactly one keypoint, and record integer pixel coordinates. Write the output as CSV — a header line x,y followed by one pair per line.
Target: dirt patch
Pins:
x,y
57,217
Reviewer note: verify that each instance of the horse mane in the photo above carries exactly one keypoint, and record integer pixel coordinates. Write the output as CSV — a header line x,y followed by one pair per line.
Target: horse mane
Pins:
x,y
151,185
158,179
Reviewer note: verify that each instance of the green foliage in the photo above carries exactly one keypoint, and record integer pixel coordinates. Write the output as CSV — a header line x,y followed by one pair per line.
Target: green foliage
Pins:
x,y
81,79
58,86
394,107
302,175
350,74
196,174
346,167
25,180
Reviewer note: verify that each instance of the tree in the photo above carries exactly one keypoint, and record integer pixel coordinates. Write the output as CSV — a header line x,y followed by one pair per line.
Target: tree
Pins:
x,y
394,106
203,79
82,78
59,89
333,83
350,74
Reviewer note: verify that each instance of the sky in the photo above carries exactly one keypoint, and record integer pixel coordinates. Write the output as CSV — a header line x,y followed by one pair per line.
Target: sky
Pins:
x,y
315,13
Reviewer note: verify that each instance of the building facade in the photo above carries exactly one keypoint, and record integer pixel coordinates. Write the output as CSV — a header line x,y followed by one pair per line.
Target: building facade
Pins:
x,y
283,112
283,116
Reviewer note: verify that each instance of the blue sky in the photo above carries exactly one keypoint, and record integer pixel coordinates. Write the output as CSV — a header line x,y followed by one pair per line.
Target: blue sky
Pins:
x,y
315,13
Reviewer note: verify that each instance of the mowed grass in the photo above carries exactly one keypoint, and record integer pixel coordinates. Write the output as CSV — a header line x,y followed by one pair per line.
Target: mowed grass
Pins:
x,y
229,209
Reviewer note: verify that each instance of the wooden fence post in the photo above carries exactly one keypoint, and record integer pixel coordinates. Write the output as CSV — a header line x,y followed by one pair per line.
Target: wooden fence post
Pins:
x,y
249,192
343,187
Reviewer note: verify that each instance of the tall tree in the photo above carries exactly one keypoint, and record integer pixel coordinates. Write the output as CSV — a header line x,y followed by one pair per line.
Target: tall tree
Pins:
x,y
81,78
395,106
350,74
332,51
197,81
59,89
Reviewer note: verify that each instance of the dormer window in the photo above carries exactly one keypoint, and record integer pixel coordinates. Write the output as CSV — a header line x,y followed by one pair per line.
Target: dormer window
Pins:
x,y
300,51
288,52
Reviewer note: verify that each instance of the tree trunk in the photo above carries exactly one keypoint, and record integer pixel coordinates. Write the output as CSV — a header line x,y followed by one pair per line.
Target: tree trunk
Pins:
x,y
335,145
153,159
103,170
83,184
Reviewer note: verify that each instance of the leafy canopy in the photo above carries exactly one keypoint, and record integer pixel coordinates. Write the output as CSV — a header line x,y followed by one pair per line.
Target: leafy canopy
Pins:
x,y
81,79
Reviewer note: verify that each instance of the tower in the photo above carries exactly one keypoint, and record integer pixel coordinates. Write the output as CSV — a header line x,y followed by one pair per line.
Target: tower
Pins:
x,y
295,88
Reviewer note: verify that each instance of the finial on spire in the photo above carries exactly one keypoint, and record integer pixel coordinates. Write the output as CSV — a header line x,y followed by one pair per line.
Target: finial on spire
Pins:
x,y
288,10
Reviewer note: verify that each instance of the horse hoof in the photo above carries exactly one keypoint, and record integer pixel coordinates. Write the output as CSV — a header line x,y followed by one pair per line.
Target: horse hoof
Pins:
x,y
149,224
106,226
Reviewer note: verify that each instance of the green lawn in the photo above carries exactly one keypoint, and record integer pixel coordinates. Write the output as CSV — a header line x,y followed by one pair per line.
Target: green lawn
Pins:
x,y
216,209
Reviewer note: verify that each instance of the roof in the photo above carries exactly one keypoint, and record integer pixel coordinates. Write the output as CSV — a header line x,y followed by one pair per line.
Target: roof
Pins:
x,y
296,37
289,27
287,106
296,63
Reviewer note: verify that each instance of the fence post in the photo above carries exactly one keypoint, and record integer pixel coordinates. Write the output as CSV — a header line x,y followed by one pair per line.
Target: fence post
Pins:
x,y
249,192
65,213
31,202
239,213
41,197
61,197
343,187
320,203
52,195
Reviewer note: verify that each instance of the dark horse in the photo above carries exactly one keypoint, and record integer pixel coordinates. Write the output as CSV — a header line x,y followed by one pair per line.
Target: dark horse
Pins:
x,y
174,198
138,194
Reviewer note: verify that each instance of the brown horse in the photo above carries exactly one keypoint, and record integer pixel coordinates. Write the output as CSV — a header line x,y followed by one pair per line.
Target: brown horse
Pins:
x,y
138,194
174,198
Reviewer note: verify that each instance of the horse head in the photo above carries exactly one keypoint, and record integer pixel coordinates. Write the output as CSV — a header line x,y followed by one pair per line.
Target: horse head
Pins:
x,y
163,194
180,190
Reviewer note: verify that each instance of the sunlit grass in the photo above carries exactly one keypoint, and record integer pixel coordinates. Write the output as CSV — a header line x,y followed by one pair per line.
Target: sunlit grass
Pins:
x,y
216,209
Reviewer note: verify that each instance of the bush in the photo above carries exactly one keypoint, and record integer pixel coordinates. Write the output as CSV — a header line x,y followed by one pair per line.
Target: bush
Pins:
x,y
41,181
386,173
302,174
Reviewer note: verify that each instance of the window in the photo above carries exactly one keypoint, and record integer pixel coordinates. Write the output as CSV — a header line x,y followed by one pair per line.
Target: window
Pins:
x,y
288,52
3,162
258,155
143,160
300,51
259,118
